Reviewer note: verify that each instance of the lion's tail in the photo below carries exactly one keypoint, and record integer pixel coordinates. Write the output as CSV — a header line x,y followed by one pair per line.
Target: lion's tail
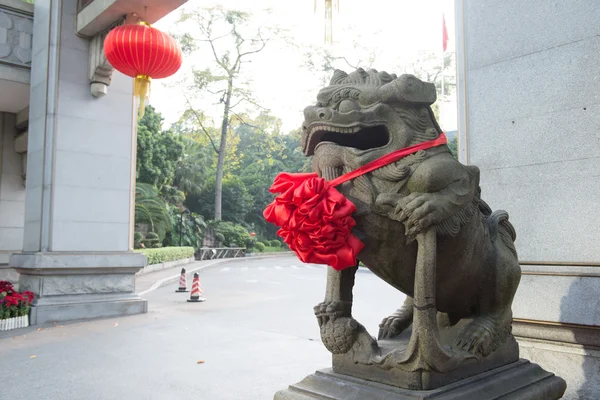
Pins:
x,y
498,224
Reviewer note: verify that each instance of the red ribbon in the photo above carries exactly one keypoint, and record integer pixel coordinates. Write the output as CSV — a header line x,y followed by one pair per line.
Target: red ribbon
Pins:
x,y
316,219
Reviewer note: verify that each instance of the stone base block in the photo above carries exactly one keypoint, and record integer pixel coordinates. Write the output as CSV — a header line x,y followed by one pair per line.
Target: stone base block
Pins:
x,y
521,380
86,307
74,286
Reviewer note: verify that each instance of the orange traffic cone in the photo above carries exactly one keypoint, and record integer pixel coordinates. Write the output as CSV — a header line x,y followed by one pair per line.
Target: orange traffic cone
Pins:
x,y
196,291
182,282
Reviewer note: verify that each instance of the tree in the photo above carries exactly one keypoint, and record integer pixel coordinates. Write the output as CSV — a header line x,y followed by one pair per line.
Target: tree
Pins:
x,y
230,45
453,146
158,151
428,68
151,209
191,170
236,200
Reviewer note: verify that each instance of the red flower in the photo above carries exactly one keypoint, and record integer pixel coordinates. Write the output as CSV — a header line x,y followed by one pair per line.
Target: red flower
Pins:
x,y
5,286
315,219
28,295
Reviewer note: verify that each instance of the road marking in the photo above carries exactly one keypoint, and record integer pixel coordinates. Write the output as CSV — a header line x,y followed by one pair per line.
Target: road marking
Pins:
x,y
294,267
225,269
277,267
253,281
310,266
244,269
174,278
262,268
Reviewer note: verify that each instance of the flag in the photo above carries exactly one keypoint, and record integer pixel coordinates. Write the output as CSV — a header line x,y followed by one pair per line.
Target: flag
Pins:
x,y
444,34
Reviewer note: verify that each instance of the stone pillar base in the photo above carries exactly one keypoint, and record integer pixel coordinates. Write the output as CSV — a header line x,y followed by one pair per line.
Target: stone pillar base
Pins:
x,y
73,286
521,380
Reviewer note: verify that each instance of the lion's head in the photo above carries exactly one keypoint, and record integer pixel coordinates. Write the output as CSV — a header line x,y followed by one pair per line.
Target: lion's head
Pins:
x,y
367,114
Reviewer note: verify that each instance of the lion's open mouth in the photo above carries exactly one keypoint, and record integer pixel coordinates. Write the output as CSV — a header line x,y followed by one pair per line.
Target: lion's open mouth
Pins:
x,y
361,137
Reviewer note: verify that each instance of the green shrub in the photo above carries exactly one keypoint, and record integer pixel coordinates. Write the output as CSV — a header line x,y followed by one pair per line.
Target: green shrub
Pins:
x,y
219,237
234,235
152,240
260,246
165,254
275,243
137,240
250,243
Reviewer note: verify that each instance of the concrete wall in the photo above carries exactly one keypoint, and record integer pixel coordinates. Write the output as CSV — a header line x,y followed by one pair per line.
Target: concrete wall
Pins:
x,y
12,191
529,118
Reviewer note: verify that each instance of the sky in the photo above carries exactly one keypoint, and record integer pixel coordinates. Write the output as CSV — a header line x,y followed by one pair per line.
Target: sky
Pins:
x,y
396,31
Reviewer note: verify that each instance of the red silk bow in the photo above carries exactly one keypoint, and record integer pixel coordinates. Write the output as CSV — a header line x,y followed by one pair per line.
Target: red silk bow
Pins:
x,y
316,219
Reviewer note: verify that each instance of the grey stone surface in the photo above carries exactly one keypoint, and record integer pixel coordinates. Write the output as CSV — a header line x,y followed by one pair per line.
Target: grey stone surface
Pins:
x,y
559,294
69,173
85,284
578,365
12,190
517,381
519,28
531,105
17,24
68,260
81,309
9,274
72,286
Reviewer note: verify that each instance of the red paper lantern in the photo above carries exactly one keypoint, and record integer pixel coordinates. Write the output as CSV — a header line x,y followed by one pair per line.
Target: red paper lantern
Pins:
x,y
252,233
144,53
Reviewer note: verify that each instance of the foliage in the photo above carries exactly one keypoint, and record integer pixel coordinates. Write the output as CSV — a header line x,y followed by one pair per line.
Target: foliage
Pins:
x,y
250,243
158,151
453,146
219,237
236,200
191,233
275,243
137,240
166,254
151,240
260,246
230,38
151,209
271,249
234,235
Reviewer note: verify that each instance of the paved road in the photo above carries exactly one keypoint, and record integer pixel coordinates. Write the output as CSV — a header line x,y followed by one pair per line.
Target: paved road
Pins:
x,y
256,333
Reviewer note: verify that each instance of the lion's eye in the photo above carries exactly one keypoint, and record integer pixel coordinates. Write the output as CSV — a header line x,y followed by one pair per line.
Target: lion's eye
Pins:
x,y
348,106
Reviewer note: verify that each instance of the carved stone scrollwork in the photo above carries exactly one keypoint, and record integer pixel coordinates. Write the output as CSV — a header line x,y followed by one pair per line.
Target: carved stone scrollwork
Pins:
x,y
16,31
100,73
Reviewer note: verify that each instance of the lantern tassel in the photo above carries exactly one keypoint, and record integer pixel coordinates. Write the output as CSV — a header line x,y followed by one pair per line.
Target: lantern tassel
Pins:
x,y
140,89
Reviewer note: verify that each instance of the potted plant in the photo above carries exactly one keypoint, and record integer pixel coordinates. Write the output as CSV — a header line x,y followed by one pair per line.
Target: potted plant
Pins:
x,y
14,307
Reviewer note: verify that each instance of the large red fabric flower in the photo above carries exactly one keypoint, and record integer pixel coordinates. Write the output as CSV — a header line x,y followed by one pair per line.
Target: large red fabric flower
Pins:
x,y
315,219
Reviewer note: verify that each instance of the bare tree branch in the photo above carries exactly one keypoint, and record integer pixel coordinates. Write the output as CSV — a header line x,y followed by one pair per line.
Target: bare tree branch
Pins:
x,y
236,104
210,40
202,125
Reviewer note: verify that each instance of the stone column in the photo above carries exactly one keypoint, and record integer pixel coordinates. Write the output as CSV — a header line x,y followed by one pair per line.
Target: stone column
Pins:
x,y
529,113
77,249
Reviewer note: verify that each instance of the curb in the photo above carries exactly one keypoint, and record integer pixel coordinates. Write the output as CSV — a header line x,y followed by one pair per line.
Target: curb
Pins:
x,y
175,278
165,265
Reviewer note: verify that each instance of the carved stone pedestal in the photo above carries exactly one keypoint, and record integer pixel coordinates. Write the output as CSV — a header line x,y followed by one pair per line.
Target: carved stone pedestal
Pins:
x,y
521,380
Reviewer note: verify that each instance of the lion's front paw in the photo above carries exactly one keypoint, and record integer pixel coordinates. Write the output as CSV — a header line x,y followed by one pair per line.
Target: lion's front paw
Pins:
x,y
418,211
331,310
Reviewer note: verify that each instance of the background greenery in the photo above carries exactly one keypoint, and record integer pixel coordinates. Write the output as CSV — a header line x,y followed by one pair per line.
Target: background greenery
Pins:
x,y
204,178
